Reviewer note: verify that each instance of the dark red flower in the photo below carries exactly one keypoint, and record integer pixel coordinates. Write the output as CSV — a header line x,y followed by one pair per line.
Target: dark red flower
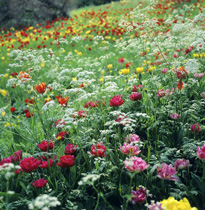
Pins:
x,y
46,145
98,150
39,183
61,135
17,156
5,160
14,74
90,104
82,113
28,101
26,110
135,96
13,109
18,171
116,101
59,123
66,161
70,149
29,164
44,164
29,114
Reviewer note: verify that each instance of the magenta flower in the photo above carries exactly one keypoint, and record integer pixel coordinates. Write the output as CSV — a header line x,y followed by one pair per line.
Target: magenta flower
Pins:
x,y
199,75
164,70
135,96
140,195
116,101
195,128
182,164
201,152
39,183
175,116
44,164
133,138
70,149
129,149
203,95
135,164
167,172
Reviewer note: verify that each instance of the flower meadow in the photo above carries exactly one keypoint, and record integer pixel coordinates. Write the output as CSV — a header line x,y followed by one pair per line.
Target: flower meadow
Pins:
x,y
106,109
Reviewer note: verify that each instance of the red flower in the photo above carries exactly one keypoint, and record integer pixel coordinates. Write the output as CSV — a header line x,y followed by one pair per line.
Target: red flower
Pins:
x,y
62,101
116,101
66,161
59,123
29,164
45,145
29,114
121,60
13,109
82,113
135,96
26,110
17,171
44,164
127,65
5,160
70,149
39,183
14,74
28,101
180,85
17,156
98,150
91,104
61,135
137,88
41,88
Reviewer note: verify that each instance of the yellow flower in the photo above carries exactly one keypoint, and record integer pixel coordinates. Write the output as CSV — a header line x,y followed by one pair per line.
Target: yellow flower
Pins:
x,y
6,75
109,66
3,92
139,70
3,114
42,64
74,79
63,51
172,204
2,58
80,53
124,71
101,79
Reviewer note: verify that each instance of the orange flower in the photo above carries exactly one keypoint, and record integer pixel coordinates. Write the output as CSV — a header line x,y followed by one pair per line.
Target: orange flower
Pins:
x,y
63,101
41,88
180,85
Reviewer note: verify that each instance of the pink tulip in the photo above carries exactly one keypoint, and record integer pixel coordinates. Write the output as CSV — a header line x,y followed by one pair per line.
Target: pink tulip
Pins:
x,y
201,152
135,164
167,172
195,128
129,149
182,164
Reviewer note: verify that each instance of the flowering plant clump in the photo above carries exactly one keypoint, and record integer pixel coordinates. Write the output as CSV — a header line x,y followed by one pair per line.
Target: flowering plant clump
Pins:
x,y
96,105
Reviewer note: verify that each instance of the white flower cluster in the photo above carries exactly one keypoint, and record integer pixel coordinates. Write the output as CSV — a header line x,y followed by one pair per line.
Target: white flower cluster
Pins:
x,y
89,179
43,202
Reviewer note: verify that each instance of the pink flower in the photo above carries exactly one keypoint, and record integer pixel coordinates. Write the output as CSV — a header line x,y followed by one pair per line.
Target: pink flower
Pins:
x,y
167,172
161,93
135,96
122,120
82,113
133,138
129,149
195,128
116,101
70,149
18,171
164,70
155,206
203,95
121,60
140,195
135,164
98,150
39,183
44,164
201,152
137,88
182,164
175,116
199,75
